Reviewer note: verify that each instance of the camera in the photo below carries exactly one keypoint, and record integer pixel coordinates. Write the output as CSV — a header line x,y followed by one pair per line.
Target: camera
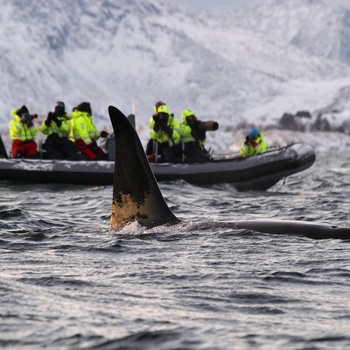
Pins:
x,y
161,118
209,125
28,117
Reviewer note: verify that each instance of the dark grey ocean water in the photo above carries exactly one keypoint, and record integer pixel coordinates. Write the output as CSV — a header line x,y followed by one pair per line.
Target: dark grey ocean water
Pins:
x,y
69,283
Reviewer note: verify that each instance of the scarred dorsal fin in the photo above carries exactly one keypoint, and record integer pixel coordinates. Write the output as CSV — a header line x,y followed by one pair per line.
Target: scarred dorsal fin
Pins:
x,y
136,195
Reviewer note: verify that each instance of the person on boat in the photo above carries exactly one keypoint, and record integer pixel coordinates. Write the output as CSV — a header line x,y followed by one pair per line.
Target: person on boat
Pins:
x,y
23,133
58,128
193,137
164,134
150,152
155,109
86,134
253,144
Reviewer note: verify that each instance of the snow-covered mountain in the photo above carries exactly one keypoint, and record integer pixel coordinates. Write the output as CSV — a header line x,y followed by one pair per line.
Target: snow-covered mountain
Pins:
x,y
245,66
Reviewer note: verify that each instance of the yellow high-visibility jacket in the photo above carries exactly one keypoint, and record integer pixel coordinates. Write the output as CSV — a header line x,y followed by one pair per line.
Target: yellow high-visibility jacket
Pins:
x,y
84,127
161,136
248,149
63,131
21,131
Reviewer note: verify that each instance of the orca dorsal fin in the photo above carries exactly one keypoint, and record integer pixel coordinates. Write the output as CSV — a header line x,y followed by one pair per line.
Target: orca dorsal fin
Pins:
x,y
136,195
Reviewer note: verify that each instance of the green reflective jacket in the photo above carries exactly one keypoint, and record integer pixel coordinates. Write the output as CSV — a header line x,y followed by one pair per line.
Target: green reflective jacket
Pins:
x,y
161,136
63,131
83,127
258,147
21,131
186,134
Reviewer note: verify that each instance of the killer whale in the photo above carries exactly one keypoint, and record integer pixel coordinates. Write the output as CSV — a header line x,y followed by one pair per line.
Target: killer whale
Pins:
x,y
137,197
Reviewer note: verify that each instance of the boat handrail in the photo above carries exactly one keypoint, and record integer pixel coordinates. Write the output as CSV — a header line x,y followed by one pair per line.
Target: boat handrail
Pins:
x,y
233,155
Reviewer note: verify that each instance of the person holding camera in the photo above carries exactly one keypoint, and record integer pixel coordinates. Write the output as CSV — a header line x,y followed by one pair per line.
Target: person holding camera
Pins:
x,y
86,134
193,137
253,144
58,128
155,109
22,133
164,134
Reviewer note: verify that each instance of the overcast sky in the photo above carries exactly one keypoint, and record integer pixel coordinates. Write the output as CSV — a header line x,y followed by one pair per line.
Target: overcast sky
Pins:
x,y
209,4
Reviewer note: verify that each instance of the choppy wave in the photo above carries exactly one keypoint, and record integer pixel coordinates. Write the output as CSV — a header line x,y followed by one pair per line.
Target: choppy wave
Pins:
x,y
67,282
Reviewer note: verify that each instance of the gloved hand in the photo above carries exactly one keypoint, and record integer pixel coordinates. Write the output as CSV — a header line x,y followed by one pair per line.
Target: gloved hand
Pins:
x,y
94,148
57,121
52,117
156,127
104,134
49,119
247,140
167,129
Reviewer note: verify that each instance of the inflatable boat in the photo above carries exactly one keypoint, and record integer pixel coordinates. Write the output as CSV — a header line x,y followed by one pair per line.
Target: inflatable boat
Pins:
x,y
254,173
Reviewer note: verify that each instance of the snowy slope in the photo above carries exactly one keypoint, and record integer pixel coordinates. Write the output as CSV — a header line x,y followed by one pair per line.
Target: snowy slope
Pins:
x,y
240,67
